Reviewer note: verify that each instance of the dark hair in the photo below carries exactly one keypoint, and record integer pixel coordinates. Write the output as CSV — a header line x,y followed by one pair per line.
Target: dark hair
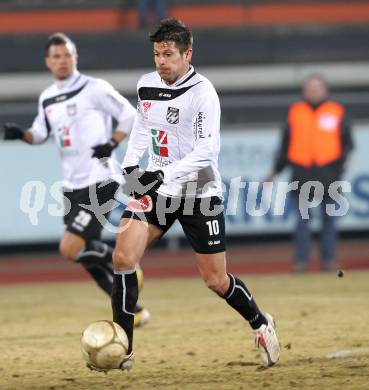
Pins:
x,y
173,30
59,39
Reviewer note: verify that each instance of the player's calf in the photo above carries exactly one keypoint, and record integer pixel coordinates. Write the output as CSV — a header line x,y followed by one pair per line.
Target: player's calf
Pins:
x,y
240,298
124,299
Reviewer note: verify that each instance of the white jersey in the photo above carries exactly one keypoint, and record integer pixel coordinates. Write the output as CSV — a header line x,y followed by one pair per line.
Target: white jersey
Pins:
x,y
78,113
180,126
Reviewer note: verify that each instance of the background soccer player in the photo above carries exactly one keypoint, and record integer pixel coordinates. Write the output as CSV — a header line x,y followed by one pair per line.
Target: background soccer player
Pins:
x,y
77,110
179,120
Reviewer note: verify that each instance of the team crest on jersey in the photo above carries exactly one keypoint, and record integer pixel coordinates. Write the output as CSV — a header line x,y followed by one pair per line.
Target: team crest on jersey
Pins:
x,y
173,115
72,109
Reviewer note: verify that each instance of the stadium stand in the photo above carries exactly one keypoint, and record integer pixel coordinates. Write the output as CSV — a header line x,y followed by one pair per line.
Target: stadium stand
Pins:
x,y
40,16
262,48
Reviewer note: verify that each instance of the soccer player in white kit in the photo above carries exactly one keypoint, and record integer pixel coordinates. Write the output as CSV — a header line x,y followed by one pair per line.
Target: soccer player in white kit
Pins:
x,y
77,111
178,122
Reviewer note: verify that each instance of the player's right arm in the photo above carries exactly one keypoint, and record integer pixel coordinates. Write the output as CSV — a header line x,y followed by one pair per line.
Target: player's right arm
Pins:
x,y
12,132
136,182
139,138
37,134
138,142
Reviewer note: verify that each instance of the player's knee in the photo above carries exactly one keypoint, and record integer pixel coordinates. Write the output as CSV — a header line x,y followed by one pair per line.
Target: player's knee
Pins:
x,y
67,251
215,283
123,260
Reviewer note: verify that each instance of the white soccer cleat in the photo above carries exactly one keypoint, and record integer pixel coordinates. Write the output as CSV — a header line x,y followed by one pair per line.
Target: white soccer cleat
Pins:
x,y
267,342
126,364
142,317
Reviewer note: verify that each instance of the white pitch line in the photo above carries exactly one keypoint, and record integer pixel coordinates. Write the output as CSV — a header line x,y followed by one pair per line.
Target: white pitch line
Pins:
x,y
346,353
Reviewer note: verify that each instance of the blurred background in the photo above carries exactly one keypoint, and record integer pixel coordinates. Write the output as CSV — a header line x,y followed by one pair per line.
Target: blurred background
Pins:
x,y
256,52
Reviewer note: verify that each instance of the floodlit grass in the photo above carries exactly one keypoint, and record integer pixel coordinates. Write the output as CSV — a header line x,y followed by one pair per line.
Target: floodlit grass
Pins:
x,y
195,340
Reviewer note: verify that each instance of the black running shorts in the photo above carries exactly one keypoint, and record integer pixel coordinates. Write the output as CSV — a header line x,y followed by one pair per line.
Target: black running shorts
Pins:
x,y
80,221
202,219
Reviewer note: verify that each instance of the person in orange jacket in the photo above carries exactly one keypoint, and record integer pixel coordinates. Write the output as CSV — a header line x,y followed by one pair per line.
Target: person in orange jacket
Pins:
x,y
315,144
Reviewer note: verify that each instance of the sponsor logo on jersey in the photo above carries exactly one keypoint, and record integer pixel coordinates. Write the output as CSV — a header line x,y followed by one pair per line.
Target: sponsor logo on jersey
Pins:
x,y
141,205
173,115
159,142
65,138
71,109
165,94
159,161
199,125
60,98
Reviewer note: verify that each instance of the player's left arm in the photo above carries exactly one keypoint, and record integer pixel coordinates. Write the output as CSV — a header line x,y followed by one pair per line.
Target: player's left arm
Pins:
x,y
114,104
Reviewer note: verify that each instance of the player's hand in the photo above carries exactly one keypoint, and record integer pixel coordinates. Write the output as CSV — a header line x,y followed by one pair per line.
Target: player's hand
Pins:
x,y
151,179
12,131
104,150
128,170
138,183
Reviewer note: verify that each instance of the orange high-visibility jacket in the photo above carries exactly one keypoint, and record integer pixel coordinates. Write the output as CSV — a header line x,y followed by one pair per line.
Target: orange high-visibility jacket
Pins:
x,y
315,135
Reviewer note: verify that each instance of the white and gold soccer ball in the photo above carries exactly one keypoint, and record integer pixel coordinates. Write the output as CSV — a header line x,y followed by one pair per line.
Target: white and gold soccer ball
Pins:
x,y
104,345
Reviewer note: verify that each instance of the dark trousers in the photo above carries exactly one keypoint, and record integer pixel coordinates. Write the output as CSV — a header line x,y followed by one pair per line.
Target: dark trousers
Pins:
x,y
303,235
158,6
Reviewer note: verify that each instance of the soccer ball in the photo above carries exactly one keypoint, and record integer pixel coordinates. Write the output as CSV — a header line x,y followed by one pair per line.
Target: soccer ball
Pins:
x,y
104,345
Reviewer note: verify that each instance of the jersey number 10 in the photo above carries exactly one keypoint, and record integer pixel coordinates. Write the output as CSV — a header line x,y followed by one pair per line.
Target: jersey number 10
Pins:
x,y
213,227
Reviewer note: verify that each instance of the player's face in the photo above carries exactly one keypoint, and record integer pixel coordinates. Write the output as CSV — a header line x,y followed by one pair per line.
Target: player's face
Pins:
x,y
315,90
170,63
61,60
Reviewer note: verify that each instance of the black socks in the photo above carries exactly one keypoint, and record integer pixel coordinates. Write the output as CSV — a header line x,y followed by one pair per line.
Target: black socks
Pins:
x,y
239,297
123,299
97,259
